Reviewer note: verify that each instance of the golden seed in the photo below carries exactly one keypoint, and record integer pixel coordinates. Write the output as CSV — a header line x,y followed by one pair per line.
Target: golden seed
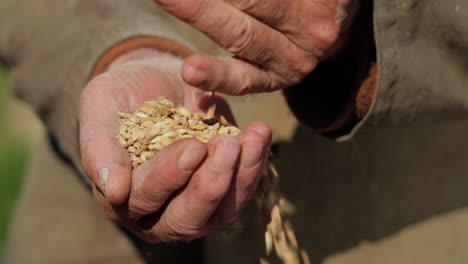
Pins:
x,y
170,134
214,127
157,124
202,139
156,147
234,130
122,140
156,139
184,112
223,130
268,243
223,120
131,149
197,116
211,111
305,257
286,206
200,127
290,234
166,141
141,115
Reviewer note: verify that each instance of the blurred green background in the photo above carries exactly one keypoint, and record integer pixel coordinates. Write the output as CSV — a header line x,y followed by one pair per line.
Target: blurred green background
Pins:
x,y
13,158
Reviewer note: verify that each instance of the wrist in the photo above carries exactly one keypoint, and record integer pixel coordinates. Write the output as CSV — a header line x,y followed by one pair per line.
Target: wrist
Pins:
x,y
136,48
136,54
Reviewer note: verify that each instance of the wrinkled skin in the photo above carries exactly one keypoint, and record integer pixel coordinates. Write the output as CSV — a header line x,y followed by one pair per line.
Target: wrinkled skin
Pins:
x,y
187,190
276,43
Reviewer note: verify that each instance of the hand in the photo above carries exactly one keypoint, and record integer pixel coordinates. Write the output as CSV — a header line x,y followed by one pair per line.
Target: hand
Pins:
x,y
187,190
276,43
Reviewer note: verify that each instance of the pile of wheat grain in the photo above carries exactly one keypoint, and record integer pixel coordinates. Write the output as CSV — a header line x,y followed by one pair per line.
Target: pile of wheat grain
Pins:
x,y
158,123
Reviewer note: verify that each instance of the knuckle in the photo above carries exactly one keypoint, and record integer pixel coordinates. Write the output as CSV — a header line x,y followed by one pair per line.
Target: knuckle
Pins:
x,y
278,81
116,196
248,83
245,85
247,185
252,6
300,66
244,5
140,207
326,35
251,136
178,180
275,9
210,196
242,37
179,230
193,10
142,202
303,67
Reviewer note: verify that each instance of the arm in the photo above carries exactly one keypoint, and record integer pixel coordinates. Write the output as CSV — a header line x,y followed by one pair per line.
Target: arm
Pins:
x,y
338,93
421,49
79,63
420,73
51,48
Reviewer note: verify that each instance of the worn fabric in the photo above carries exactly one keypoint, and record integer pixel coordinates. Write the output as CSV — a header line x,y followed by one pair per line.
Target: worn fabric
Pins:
x,y
57,220
51,47
422,70
422,54
328,100
362,201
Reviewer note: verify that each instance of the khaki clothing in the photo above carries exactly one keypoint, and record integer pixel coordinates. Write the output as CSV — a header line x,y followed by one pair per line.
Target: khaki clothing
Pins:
x,y
394,192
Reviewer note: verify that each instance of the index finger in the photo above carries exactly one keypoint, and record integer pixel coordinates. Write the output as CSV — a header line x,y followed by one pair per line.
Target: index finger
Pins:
x,y
189,211
157,179
242,35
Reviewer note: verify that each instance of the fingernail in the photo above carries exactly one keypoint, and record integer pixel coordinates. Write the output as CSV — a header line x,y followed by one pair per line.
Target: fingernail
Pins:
x,y
191,158
195,76
251,155
103,176
225,154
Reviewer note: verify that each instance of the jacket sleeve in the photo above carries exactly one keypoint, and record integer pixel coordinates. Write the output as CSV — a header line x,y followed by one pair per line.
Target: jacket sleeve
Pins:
x,y
51,47
421,72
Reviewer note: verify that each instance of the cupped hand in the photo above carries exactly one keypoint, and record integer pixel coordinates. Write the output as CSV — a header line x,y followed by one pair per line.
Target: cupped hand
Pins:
x,y
187,190
276,43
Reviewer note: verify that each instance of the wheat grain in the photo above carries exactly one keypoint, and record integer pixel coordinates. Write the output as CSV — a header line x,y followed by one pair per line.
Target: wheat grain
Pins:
x,y
157,124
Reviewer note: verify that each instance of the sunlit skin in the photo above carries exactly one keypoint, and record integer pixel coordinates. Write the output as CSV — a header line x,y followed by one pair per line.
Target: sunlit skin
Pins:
x,y
275,43
189,189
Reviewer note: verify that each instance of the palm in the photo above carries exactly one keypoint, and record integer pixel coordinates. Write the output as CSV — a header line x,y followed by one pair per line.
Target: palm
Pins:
x,y
133,85
219,179
130,86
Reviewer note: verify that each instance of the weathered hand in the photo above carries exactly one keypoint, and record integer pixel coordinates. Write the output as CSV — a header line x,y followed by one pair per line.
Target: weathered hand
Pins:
x,y
276,43
188,189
